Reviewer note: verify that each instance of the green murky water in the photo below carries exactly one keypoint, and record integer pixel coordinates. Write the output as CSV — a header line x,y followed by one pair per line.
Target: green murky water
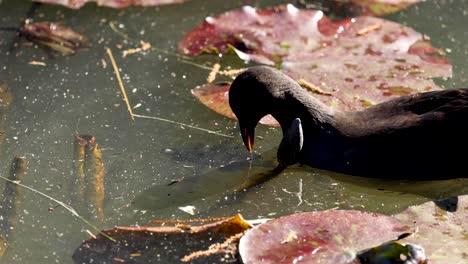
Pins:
x,y
77,95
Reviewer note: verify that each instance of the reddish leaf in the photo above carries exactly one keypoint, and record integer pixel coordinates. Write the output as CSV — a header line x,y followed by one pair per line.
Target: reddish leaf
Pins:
x,y
442,233
360,61
318,237
75,4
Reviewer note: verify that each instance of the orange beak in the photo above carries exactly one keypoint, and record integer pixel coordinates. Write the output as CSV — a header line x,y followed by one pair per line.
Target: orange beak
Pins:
x,y
248,137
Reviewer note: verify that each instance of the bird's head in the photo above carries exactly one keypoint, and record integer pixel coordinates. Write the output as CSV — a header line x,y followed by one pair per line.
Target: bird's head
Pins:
x,y
252,96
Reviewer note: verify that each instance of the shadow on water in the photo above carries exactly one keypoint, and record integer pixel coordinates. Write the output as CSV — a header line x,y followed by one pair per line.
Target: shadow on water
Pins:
x,y
238,174
240,178
433,190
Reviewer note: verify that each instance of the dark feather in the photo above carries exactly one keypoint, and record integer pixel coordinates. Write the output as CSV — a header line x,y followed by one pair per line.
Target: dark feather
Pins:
x,y
412,137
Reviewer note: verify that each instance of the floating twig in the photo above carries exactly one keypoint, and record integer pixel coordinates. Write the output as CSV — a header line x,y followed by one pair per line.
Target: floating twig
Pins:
x,y
182,124
122,88
64,205
368,29
231,73
215,70
37,63
314,88
228,246
196,220
144,46
213,73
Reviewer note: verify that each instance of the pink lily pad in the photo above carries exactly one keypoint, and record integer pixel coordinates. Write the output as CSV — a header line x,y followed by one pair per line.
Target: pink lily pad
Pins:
x,y
355,63
76,4
318,237
443,234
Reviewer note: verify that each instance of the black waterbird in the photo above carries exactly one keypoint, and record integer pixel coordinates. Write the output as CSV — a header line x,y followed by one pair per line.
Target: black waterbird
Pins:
x,y
416,137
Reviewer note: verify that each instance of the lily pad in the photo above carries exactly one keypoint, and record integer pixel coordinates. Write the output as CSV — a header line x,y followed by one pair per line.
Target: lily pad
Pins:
x,y
318,237
441,230
166,244
353,63
75,4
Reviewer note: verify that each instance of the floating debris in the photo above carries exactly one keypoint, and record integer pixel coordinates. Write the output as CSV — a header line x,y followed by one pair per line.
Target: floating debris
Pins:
x,y
54,36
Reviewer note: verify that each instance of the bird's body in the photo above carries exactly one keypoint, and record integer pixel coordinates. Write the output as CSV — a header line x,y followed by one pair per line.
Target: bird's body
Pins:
x,y
420,136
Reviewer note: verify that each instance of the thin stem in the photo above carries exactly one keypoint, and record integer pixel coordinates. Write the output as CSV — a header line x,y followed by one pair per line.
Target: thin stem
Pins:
x,y
120,33
182,124
195,64
64,205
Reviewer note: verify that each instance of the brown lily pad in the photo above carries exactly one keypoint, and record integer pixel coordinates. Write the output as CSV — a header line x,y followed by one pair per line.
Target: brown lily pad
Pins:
x,y
441,230
354,63
318,237
182,243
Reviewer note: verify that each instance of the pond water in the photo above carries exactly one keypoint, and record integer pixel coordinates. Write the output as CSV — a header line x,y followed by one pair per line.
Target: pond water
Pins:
x,y
77,95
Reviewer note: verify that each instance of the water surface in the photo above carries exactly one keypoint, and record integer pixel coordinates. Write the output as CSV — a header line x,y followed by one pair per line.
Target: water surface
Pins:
x,y
77,95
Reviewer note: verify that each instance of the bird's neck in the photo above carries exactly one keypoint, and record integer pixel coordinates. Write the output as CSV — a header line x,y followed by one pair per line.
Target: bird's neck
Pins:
x,y
300,104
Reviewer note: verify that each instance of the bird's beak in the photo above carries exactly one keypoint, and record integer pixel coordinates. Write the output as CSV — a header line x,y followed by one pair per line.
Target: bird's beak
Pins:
x,y
248,137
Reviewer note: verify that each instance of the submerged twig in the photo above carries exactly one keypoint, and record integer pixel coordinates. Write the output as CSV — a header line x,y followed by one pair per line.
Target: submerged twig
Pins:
x,y
195,64
114,28
64,205
11,200
182,124
122,88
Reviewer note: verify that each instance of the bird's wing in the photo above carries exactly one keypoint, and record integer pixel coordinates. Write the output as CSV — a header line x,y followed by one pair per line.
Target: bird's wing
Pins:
x,y
432,111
